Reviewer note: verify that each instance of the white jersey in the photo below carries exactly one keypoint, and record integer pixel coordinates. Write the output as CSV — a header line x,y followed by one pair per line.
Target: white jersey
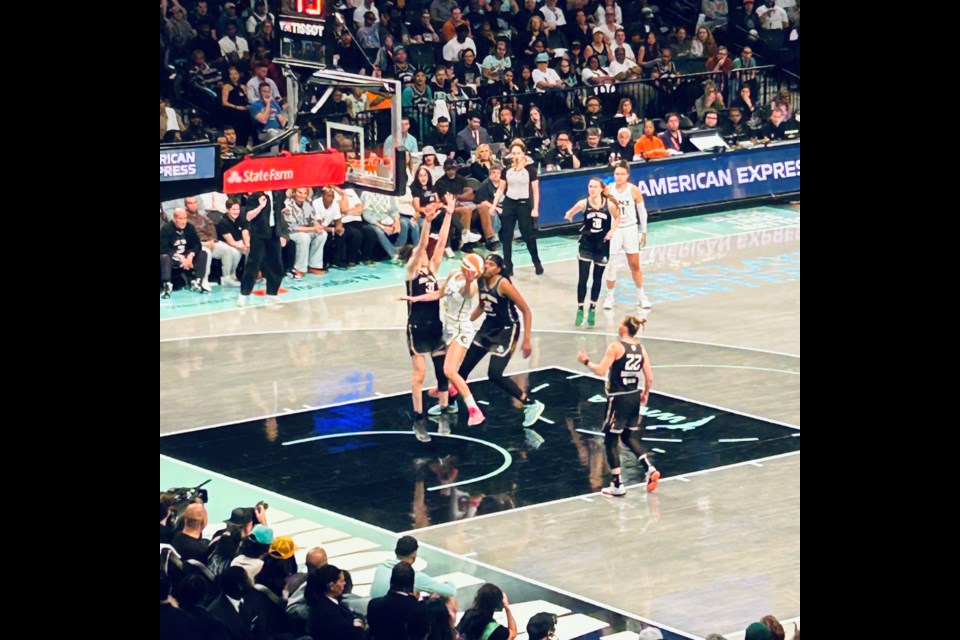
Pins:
x,y
457,301
458,305
628,206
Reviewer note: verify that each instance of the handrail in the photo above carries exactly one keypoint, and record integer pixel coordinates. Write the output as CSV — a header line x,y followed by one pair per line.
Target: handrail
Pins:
x,y
272,142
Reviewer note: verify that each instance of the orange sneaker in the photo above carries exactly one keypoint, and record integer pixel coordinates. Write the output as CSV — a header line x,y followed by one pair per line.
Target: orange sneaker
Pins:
x,y
653,479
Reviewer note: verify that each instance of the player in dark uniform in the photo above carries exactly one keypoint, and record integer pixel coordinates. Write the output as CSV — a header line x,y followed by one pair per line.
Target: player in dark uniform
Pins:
x,y
625,361
424,327
601,216
500,332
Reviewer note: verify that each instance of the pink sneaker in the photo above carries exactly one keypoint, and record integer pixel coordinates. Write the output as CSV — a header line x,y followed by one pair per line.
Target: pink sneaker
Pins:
x,y
476,417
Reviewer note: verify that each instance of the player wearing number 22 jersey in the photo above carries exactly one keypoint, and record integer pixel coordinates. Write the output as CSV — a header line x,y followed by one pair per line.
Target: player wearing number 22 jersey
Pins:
x,y
624,363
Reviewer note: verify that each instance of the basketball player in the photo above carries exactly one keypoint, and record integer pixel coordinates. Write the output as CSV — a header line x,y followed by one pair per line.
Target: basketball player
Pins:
x,y
624,362
631,236
459,292
499,333
424,328
601,219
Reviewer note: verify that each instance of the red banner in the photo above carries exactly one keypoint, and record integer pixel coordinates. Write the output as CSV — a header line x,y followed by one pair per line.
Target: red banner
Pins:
x,y
285,172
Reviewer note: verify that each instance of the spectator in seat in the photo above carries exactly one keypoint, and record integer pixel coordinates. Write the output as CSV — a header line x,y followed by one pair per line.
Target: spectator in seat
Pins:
x,y
258,17
507,130
562,156
229,16
359,238
269,120
196,131
473,135
328,618
775,127
179,32
395,615
406,553
484,202
735,126
208,44
181,251
449,30
649,145
259,77
496,63
305,232
206,230
170,123
233,47
711,99
442,138
233,243
673,139
190,543
380,212
452,49
456,184
327,210
202,74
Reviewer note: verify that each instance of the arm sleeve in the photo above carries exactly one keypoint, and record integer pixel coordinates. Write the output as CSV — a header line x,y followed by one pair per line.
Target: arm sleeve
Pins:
x,y
423,582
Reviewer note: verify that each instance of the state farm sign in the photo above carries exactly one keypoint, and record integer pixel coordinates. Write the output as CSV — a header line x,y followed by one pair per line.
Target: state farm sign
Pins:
x,y
285,172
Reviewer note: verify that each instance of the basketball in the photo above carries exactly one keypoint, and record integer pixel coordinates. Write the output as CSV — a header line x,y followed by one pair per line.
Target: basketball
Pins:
x,y
472,262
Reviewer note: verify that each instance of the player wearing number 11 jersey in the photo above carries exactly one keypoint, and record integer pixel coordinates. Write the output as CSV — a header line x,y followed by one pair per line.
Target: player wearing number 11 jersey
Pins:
x,y
624,362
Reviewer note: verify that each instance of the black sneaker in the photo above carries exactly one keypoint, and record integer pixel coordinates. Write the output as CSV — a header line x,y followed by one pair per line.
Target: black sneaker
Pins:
x,y
538,268
468,247
492,244
167,289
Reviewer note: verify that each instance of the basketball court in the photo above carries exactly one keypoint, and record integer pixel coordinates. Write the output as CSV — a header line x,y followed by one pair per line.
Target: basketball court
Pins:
x,y
307,405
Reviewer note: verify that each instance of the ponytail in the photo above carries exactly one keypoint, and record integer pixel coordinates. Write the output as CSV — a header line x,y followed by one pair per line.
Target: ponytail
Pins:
x,y
633,324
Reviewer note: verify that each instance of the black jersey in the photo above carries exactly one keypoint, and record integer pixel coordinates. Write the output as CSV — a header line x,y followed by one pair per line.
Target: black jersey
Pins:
x,y
423,312
596,220
625,372
499,308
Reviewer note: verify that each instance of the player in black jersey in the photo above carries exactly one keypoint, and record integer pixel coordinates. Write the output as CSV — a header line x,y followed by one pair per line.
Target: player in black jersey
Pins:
x,y
499,333
624,362
424,327
601,216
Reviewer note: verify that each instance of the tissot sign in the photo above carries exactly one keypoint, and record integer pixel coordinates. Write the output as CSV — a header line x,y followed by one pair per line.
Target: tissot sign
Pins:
x,y
285,172
299,27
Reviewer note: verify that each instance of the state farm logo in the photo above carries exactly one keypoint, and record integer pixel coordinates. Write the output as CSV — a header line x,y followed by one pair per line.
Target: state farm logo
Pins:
x,y
260,175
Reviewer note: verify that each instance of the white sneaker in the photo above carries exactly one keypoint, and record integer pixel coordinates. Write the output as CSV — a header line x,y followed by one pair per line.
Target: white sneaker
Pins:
x,y
195,286
241,300
228,281
471,237
205,286
644,301
614,491
273,299
609,302
448,252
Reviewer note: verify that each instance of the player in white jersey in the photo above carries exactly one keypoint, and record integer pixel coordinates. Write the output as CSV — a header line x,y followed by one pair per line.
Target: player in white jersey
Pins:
x,y
458,293
630,236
